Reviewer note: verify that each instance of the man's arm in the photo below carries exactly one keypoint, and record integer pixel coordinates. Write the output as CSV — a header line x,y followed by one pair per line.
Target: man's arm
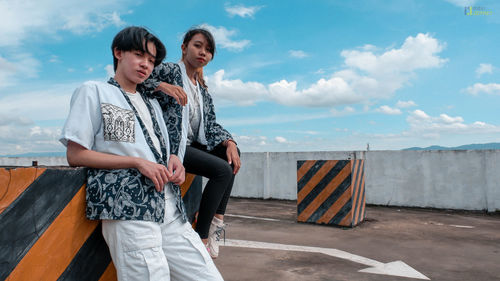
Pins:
x,y
78,155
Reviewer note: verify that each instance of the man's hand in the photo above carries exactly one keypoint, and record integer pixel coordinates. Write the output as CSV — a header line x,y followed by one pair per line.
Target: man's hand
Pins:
x,y
233,157
177,170
78,155
174,91
158,173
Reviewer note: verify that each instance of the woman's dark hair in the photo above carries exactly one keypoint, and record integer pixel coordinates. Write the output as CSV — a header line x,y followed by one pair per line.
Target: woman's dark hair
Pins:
x,y
211,47
210,39
136,38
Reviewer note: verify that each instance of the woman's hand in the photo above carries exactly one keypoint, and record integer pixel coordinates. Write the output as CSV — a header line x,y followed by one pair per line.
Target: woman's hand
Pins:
x,y
232,156
174,91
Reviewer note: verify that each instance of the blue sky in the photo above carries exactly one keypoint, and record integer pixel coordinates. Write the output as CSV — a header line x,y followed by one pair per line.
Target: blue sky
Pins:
x,y
287,75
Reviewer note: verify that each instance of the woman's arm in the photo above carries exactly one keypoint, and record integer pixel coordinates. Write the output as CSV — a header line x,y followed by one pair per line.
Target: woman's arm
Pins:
x,y
216,134
167,77
174,91
78,155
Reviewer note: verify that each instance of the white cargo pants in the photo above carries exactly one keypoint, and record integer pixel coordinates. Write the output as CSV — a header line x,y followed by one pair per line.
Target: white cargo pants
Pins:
x,y
143,250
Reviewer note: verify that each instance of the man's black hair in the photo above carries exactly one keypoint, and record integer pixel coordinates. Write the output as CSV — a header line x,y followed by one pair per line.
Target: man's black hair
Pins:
x,y
136,38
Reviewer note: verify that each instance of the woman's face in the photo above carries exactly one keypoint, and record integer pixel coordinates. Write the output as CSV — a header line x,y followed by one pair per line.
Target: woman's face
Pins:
x,y
197,53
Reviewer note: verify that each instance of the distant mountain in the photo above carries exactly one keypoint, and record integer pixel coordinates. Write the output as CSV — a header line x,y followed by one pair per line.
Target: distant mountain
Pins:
x,y
484,146
38,154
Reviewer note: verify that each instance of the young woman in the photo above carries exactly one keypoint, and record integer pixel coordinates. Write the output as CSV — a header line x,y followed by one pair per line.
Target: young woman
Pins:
x,y
210,150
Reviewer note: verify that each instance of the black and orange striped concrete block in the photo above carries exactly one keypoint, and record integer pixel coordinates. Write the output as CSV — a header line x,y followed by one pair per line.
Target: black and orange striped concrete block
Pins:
x,y
331,192
44,234
191,191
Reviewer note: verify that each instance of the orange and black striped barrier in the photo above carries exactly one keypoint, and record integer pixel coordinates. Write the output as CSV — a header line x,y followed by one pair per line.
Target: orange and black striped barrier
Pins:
x,y
191,191
331,192
44,234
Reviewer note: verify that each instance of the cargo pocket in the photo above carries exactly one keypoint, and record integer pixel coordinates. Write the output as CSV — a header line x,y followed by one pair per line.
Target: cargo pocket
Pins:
x,y
193,238
144,258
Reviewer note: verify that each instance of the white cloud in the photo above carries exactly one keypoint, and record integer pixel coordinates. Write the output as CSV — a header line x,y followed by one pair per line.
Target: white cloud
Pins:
x,y
405,104
110,71
274,119
222,37
44,104
385,109
242,11
14,120
251,143
18,66
21,136
280,139
491,88
54,59
462,3
420,114
242,93
319,71
366,76
304,132
484,68
28,19
335,91
369,47
346,111
423,124
298,54
417,52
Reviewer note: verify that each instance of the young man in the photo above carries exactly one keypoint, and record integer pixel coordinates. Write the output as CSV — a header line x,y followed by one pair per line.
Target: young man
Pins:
x,y
120,134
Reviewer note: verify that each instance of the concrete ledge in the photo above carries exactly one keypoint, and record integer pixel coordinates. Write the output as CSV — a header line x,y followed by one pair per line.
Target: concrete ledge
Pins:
x,y
456,179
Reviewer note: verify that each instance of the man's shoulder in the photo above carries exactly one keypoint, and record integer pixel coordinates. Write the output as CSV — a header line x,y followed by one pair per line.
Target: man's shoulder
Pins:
x,y
96,85
95,88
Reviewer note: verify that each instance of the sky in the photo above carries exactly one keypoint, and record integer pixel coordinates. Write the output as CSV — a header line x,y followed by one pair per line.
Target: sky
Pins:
x,y
287,75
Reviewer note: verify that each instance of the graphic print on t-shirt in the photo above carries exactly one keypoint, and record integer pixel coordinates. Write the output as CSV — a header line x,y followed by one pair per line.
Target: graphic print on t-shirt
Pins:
x,y
119,123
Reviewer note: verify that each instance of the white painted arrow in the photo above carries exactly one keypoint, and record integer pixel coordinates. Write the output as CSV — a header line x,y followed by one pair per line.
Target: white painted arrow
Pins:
x,y
396,268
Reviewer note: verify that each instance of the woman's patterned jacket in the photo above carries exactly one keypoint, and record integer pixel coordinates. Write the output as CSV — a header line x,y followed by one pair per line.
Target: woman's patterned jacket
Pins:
x,y
171,73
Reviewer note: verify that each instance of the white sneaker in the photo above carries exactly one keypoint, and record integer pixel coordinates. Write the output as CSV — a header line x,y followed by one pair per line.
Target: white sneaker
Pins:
x,y
216,227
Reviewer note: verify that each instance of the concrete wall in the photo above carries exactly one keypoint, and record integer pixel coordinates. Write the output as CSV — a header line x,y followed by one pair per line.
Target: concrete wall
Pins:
x,y
468,180
27,161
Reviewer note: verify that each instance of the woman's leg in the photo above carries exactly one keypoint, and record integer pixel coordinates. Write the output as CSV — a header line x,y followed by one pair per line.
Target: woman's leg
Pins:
x,y
220,175
220,151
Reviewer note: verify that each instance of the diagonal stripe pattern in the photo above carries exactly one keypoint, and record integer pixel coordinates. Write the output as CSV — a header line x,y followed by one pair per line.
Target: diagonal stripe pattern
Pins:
x,y
44,234
331,192
191,191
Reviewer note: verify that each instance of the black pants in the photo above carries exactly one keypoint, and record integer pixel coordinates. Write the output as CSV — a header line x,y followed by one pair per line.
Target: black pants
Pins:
x,y
214,166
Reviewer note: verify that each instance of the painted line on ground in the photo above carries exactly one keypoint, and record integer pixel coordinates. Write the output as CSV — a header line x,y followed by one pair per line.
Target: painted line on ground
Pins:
x,y
462,226
250,217
396,268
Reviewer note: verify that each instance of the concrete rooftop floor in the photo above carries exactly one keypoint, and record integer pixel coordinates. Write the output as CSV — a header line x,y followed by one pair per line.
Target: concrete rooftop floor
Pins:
x,y
440,245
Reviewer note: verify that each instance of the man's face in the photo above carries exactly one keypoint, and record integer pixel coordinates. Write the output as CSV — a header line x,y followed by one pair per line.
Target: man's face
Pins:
x,y
136,65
